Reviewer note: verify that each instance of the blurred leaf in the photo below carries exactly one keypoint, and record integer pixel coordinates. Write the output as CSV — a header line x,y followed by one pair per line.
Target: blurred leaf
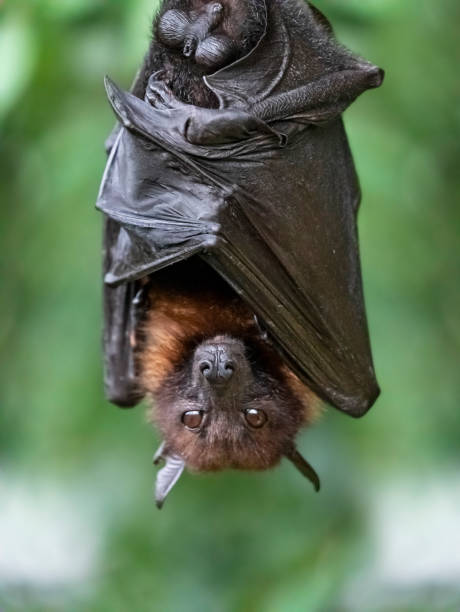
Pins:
x,y
358,10
18,51
68,10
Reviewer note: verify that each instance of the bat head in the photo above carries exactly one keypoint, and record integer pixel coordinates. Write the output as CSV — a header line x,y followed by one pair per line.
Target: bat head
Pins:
x,y
223,410
221,395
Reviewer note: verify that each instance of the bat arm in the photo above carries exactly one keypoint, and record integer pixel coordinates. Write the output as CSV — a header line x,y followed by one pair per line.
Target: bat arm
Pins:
x,y
212,127
323,99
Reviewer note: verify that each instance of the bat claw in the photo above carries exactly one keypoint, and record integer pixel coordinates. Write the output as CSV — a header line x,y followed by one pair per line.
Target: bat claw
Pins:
x,y
159,95
157,75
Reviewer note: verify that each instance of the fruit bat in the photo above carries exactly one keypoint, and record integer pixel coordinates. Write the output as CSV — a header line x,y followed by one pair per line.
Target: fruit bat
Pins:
x,y
231,150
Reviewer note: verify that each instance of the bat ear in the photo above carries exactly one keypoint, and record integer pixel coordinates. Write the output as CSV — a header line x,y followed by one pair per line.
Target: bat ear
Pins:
x,y
168,475
304,467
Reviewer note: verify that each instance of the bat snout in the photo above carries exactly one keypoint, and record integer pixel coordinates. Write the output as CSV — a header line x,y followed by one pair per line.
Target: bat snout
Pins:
x,y
220,362
218,367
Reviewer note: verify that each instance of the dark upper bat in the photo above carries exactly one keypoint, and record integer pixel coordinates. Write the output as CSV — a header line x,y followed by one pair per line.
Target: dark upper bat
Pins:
x,y
262,187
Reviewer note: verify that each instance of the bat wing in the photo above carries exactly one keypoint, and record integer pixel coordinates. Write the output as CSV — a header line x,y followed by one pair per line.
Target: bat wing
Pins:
x,y
120,322
277,221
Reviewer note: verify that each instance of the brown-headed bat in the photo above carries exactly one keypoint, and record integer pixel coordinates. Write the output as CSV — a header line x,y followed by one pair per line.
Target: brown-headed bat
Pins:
x,y
232,291
221,395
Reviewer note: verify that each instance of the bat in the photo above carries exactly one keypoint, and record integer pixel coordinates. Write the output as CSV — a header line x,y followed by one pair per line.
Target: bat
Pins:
x,y
232,283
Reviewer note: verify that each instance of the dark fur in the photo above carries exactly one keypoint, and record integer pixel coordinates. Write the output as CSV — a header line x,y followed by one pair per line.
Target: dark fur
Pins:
x,y
243,23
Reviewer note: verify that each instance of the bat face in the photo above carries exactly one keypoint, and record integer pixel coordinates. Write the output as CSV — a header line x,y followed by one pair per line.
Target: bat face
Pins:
x,y
221,396
222,409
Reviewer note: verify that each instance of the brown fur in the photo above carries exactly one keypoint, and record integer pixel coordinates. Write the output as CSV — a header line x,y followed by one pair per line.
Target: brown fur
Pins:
x,y
180,317
189,305
185,311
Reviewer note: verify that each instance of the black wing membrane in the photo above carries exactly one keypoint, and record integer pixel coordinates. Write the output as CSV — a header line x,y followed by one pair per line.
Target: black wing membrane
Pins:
x,y
274,213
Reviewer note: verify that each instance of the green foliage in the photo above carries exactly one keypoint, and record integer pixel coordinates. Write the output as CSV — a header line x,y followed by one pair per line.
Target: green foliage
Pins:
x,y
234,541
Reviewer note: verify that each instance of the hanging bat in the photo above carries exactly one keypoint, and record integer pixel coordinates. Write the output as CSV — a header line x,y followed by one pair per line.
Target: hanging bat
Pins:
x,y
232,288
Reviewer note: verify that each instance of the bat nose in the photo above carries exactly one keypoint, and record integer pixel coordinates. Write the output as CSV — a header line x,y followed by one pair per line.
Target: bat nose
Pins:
x,y
217,367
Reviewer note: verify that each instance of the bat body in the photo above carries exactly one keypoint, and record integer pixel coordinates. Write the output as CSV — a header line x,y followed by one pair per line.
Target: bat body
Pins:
x,y
232,283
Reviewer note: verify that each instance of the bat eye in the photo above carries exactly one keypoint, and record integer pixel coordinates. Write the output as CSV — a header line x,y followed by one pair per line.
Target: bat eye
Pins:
x,y
255,418
192,419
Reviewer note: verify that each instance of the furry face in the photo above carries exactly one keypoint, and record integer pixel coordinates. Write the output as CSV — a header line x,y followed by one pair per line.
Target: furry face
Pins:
x,y
221,396
225,407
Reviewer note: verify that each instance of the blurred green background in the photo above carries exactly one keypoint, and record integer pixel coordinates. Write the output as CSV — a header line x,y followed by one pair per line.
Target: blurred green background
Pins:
x,y
78,527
